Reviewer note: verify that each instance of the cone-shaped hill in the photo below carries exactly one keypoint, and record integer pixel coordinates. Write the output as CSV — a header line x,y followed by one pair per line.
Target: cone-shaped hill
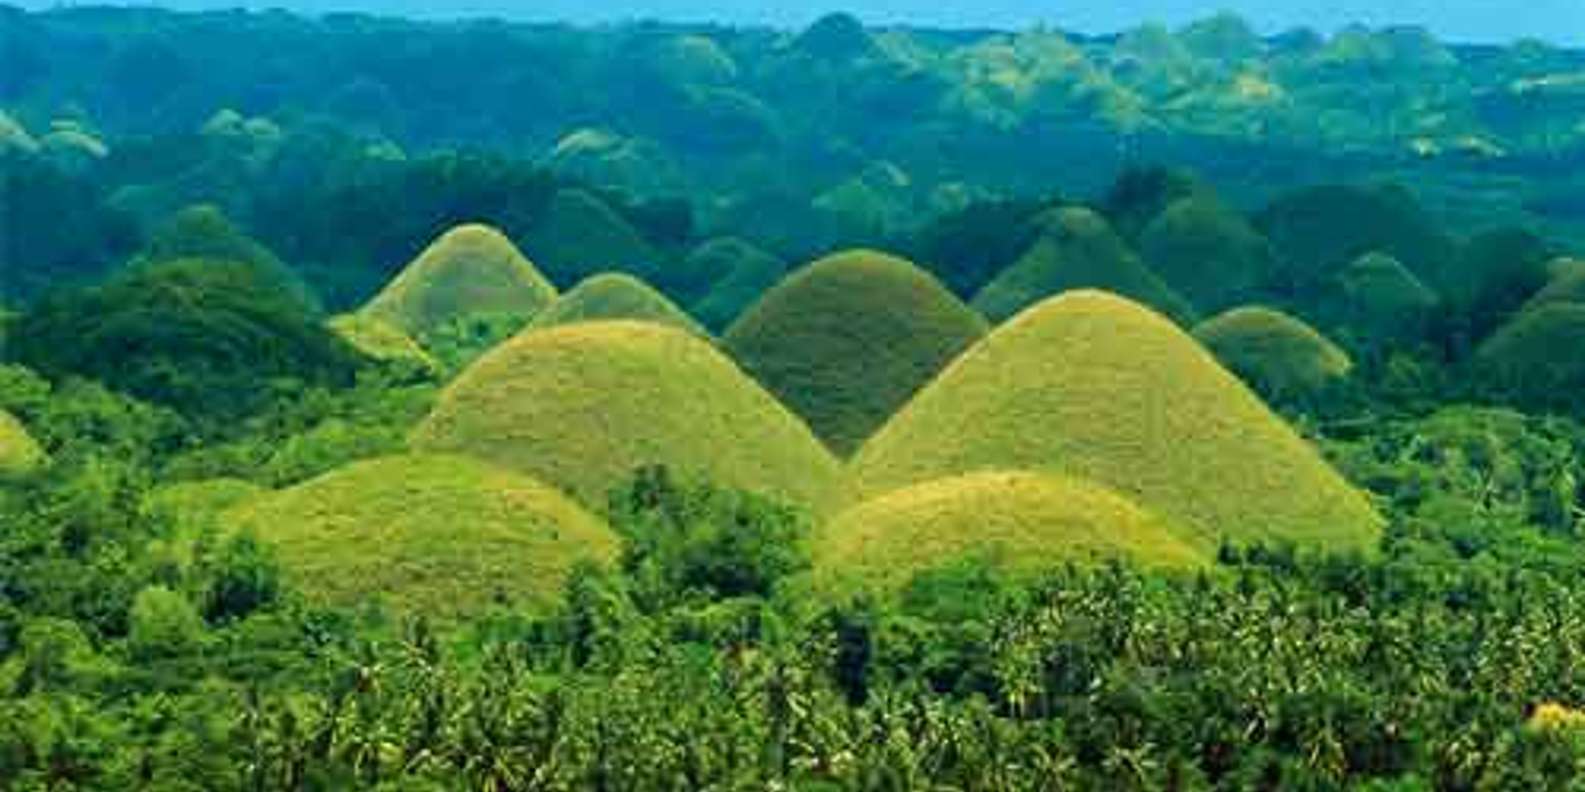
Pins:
x,y
1077,249
585,405
470,270
19,453
735,273
1092,385
383,342
1531,361
1383,300
1020,521
1279,356
434,535
847,340
580,235
1208,252
1566,285
613,296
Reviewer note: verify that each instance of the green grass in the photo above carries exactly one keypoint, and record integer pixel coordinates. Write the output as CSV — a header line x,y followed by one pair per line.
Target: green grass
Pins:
x,y
1532,361
733,274
1566,284
580,235
1094,386
1208,252
470,270
383,342
19,452
612,295
1024,522
847,340
1279,356
584,405
1382,298
439,536
1077,249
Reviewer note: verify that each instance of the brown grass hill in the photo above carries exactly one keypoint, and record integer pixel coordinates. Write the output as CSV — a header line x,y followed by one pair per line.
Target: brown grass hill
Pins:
x,y
438,536
1208,253
1091,385
580,235
384,343
1531,362
19,452
1282,358
1383,301
726,276
585,405
847,340
610,296
1076,249
1021,522
470,270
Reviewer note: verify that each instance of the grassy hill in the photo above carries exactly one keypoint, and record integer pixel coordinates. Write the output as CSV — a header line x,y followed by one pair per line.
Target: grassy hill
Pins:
x,y
584,405
847,340
1021,521
727,275
434,535
1077,249
612,295
1095,386
383,342
1383,300
1530,361
580,235
470,270
1279,356
1208,252
19,452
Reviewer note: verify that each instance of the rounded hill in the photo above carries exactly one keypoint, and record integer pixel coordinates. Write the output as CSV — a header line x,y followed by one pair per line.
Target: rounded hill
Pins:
x,y
434,535
19,452
585,405
1279,356
1020,521
1383,300
613,296
1208,252
1530,360
1076,249
470,270
727,275
580,235
847,340
1094,386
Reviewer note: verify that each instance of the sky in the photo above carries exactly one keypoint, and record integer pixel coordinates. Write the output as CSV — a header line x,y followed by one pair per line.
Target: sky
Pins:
x,y
1559,21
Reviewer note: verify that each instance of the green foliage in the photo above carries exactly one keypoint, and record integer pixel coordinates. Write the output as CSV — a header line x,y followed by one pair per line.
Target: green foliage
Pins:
x,y
1383,302
1208,253
584,405
1520,364
845,341
19,452
738,273
580,235
1093,386
1319,230
163,624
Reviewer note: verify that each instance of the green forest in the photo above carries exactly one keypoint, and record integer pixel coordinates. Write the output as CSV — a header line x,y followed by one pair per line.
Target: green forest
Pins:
x,y
482,405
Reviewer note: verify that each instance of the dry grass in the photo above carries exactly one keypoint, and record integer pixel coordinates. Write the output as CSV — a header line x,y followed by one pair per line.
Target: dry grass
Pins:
x,y
382,342
1024,522
434,535
584,405
1278,355
1077,249
470,270
614,296
19,453
1094,386
847,340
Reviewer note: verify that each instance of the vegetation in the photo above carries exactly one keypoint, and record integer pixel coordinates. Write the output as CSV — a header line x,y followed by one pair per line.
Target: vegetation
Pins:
x,y
433,535
19,452
614,296
1520,363
580,236
1208,253
1077,249
1016,522
737,273
1282,358
1384,302
384,343
1094,386
581,406
847,340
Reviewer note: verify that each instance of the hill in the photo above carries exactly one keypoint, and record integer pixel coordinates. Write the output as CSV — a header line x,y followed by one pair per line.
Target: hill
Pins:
x,y
1279,356
612,295
434,535
19,452
1384,301
584,405
736,273
1319,230
1208,253
1021,521
383,342
470,270
580,235
1529,361
1077,249
847,340
1092,385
